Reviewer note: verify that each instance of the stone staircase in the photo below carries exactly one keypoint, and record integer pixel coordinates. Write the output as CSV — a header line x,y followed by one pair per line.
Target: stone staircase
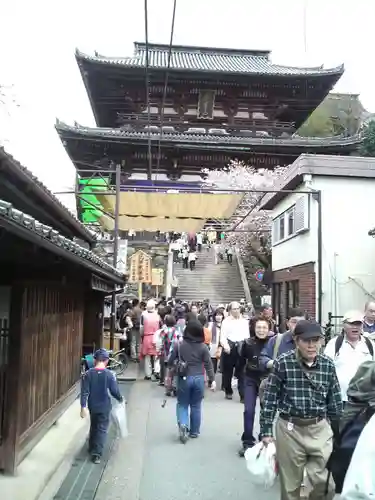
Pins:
x,y
221,283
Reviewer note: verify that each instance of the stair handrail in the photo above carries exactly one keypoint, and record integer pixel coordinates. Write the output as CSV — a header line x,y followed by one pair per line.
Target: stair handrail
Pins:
x,y
243,276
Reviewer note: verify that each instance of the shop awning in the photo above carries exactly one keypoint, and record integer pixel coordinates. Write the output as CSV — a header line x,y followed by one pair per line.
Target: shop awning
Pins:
x,y
156,211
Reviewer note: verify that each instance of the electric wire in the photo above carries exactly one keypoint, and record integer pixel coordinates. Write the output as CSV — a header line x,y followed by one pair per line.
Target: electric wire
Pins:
x,y
148,91
165,87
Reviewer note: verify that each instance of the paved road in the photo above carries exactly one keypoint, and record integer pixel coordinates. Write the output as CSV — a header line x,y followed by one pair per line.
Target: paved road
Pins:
x,y
151,464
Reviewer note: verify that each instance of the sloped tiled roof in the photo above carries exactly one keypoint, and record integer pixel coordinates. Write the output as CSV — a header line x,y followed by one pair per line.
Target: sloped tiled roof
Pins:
x,y
8,212
205,139
205,59
20,171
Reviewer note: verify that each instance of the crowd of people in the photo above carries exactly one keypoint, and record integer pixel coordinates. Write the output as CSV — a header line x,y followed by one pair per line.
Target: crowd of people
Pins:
x,y
186,245
315,399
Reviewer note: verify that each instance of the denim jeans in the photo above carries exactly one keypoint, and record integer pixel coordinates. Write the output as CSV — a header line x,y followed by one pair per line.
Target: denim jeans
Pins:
x,y
190,392
99,423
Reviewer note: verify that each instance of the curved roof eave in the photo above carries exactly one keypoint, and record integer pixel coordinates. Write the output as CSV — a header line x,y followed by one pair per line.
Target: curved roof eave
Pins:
x,y
261,66
119,134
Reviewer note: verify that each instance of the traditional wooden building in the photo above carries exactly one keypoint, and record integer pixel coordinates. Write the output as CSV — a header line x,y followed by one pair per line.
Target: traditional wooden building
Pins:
x,y
52,290
220,105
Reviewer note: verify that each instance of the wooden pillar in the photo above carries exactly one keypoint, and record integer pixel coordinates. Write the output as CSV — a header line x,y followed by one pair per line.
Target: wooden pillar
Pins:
x,y
14,380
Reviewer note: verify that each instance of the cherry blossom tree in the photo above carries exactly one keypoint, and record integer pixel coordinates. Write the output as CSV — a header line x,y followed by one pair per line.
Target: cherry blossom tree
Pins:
x,y
252,226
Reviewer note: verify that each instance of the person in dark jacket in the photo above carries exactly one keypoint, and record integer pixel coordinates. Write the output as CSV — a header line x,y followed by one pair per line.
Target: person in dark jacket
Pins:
x,y
97,383
248,365
193,354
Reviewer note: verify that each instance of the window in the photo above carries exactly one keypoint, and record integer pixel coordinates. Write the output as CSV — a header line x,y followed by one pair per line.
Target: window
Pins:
x,y
282,228
276,301
291,294
290,221
293,221
295,293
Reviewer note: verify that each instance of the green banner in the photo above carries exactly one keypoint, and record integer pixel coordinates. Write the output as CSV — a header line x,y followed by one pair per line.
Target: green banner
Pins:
x,y
91,210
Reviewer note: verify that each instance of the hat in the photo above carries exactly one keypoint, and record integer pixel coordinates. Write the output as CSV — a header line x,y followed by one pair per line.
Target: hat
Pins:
x,y
353,317
308,329
101,354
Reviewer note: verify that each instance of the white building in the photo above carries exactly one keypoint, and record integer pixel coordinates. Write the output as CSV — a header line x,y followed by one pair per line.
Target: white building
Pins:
x,y
328,266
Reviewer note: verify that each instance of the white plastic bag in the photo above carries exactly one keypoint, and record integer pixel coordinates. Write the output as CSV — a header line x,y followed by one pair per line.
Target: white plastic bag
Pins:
x,y
119,416
359,481
261,463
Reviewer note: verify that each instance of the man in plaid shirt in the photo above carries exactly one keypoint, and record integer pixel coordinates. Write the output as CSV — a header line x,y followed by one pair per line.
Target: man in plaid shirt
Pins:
x,y
304,389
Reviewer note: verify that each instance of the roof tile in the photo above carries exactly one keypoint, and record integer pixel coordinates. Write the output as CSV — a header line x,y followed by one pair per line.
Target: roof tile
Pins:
x,y
204,59
8,157
7,211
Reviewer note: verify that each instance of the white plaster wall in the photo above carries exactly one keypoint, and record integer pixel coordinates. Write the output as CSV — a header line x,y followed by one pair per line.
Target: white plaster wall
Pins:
x,y
300,248
348,260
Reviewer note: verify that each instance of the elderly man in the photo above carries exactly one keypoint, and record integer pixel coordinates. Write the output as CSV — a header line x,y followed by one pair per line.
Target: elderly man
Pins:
x,y
234,330
303,388
349,350
369,319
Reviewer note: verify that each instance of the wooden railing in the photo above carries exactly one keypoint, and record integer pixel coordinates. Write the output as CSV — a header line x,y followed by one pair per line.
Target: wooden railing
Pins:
x,y
182,124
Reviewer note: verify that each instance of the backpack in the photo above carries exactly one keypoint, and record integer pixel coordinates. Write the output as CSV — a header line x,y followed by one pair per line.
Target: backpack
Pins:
x,y
180,366
344,446
275,354
340,341
276,347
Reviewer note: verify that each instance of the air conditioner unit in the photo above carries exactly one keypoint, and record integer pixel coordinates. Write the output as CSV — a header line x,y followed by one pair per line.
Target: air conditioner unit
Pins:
x,y
302,214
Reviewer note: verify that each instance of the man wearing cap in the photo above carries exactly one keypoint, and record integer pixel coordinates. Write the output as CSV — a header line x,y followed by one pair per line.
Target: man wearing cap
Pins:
x,y
304,389
97,383
349,350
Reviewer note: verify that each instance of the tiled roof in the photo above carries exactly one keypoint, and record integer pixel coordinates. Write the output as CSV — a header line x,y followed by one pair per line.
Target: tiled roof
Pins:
x,y
206,139
204,59
8,212
18,169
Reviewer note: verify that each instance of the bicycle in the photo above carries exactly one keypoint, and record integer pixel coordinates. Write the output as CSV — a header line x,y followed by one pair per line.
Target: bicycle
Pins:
x,y
118,362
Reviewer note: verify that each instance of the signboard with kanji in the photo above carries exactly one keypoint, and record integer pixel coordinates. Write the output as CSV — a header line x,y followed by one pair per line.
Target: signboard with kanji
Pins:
x,y
140,268
157,277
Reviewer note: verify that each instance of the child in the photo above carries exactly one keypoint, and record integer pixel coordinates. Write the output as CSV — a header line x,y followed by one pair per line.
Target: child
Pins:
x,y
96,383
163,340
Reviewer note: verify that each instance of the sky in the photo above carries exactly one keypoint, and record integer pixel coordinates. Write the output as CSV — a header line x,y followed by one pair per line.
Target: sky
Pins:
x,y
38,67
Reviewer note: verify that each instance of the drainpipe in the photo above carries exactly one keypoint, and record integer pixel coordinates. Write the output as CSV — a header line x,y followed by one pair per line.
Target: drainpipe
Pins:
x,y
317,196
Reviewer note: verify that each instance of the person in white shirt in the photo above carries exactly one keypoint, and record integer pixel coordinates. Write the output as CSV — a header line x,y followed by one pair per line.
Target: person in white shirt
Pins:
x,y
185,257
234,330
192,258
349,350
199,241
